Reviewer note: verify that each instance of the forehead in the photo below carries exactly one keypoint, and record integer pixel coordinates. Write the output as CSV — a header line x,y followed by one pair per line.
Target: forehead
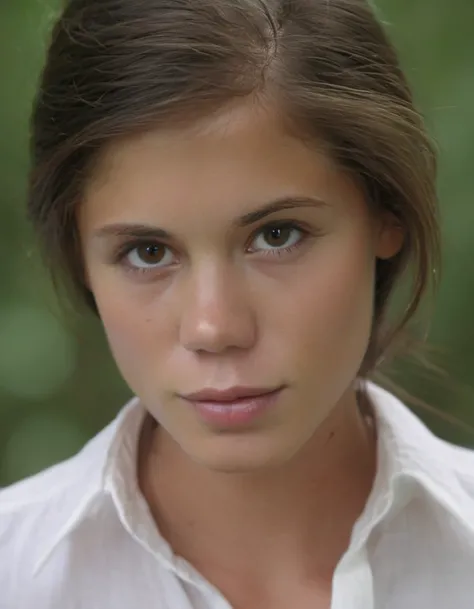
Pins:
x,y
226,164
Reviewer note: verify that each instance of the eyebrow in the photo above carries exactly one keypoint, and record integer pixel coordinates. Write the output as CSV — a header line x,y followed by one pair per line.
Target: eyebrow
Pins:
x,y
147,231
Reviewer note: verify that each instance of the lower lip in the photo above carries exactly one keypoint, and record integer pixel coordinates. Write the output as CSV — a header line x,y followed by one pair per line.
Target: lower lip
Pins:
x,y
239,413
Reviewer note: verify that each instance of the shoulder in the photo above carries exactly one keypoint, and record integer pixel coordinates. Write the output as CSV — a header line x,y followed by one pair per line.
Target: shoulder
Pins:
x,y
460,460
28,494
33,513
444,469
58,481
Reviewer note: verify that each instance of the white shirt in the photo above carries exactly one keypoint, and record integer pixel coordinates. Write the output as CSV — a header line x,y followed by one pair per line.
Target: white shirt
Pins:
x,y
80,536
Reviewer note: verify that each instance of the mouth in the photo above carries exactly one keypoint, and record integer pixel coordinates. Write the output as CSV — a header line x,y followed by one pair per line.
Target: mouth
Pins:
x,y
232,394
233,407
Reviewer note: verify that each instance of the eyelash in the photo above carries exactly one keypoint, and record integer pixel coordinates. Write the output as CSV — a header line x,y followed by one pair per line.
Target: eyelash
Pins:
x,y
126,248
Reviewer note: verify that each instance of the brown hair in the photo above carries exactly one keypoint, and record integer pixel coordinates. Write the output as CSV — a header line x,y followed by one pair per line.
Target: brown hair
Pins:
x,y
115,68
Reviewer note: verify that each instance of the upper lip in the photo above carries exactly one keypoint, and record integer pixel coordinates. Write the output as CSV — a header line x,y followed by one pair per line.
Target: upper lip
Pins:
x,y
228,395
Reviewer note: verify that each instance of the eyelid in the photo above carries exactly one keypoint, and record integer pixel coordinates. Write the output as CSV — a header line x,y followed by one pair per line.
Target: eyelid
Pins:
x,y
120,258
129,245
292,224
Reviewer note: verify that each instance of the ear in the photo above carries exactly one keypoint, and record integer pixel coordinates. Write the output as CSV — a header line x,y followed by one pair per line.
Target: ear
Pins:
x,y
390,237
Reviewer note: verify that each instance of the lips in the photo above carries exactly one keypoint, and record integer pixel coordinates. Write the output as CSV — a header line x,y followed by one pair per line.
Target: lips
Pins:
x,y
236,407
233,394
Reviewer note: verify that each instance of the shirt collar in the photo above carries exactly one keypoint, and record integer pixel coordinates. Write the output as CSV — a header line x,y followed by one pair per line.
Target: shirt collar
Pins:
x,y
409,455
108,455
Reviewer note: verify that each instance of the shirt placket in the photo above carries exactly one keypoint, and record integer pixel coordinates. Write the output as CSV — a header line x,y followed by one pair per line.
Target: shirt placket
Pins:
x,y
353,582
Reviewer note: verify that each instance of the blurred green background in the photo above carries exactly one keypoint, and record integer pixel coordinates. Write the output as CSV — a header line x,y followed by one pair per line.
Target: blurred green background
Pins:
x,y
58,384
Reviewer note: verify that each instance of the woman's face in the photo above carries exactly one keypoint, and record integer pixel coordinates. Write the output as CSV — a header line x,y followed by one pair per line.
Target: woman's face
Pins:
x,y
232,255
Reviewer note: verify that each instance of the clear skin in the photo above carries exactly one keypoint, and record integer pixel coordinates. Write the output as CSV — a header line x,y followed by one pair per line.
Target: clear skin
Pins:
x,y
264,512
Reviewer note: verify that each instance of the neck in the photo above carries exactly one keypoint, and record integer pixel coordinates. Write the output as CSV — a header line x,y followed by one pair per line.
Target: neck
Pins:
x,y
294,521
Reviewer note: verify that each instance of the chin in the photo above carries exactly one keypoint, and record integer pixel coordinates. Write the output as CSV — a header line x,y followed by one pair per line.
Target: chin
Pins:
x,y
241,455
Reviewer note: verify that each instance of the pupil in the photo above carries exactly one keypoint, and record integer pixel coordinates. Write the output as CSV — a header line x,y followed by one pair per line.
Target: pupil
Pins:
x,y
150,253
278,234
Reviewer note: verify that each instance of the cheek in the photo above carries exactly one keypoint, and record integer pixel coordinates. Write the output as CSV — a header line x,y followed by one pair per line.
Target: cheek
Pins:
x,y
130,323
329,306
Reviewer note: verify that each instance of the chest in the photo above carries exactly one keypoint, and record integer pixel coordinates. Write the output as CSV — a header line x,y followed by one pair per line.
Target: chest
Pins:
x,y
412,564
142,583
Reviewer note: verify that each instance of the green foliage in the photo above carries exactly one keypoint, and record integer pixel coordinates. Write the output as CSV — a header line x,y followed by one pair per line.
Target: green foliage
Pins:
x,y
58,385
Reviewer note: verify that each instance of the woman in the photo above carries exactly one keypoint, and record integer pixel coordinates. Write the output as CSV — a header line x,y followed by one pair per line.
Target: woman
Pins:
x,y
235,188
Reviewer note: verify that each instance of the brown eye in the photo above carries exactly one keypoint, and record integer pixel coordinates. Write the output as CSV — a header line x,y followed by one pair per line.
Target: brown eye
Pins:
x,y
149,255
277,237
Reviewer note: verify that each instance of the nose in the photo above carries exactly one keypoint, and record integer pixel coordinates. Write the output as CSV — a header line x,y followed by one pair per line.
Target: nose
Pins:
x,y
217,314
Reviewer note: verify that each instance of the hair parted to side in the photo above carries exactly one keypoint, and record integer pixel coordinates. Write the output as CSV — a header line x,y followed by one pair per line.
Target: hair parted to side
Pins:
x,y
117,67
